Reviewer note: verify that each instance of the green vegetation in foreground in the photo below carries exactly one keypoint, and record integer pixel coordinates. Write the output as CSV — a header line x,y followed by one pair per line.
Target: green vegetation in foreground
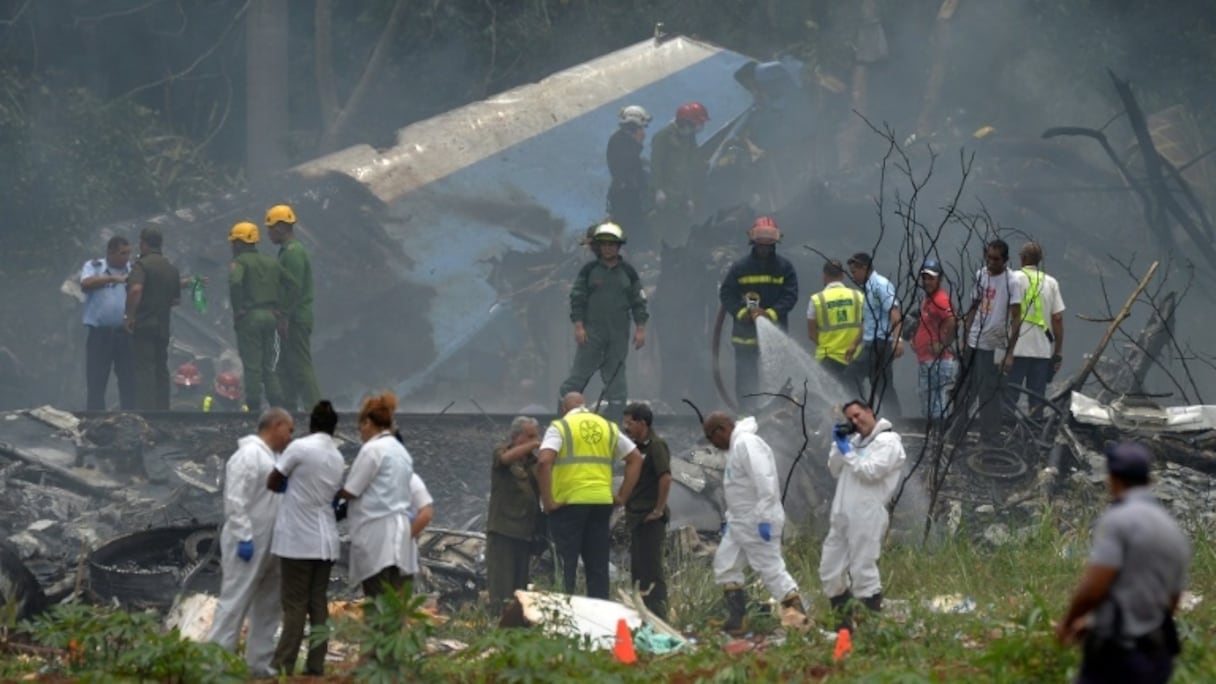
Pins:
x,y
1018,590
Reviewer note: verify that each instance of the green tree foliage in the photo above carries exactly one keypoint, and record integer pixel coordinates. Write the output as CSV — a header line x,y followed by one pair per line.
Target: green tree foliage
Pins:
x,y
74,163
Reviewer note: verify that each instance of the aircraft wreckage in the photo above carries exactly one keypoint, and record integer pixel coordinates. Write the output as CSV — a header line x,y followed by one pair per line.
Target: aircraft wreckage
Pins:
x,y
468,226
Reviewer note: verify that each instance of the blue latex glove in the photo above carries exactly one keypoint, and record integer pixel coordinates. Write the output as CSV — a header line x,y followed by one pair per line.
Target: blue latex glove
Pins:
x,y
244,550
766,531
282,487
339,505
843,445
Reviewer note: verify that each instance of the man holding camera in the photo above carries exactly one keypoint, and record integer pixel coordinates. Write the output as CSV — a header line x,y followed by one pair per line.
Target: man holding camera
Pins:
x,y
866,459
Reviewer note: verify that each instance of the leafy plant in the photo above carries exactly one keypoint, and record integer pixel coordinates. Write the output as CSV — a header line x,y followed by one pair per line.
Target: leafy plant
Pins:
x,y
100,641
392,637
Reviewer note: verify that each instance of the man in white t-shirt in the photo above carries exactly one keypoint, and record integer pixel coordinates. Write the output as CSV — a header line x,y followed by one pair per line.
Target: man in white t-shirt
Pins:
x,y
1040,347
993,323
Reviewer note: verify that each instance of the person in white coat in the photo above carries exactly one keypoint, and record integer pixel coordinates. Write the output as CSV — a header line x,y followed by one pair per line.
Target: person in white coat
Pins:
x,y
378,488
306,537
867,459
754,521
250,586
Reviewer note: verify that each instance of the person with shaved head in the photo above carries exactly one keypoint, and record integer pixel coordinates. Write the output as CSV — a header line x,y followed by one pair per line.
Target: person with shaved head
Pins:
x,y
574,474
754,521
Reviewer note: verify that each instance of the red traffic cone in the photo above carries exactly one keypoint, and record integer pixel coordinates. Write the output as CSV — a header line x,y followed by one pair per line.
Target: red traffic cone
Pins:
x,y
623,650
844,644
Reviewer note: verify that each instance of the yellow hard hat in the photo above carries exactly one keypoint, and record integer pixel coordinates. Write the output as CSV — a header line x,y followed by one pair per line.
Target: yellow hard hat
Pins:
x,y
280,213
244,232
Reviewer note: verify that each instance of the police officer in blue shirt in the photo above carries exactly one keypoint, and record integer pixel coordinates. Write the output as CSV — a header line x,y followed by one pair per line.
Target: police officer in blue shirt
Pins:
x,y
1124,606
104,282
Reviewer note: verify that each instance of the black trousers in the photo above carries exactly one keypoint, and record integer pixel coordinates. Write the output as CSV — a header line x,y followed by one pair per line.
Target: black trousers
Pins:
x,y
647,542
507,565
388,578
303,590
581,530
983,384
876,361
747,376
151,352
107,348
842,374
1127,667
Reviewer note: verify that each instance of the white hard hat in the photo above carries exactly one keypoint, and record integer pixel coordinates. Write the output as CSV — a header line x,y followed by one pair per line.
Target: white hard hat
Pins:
x,y
634,114
609,232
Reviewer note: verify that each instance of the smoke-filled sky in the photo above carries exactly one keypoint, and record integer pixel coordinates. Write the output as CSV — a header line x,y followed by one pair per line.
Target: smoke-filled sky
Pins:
x,y
1018,67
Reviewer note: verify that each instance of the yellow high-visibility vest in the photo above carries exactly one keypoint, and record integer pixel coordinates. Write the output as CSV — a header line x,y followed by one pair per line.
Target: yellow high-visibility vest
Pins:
x,y
582,472
838,316
1032,305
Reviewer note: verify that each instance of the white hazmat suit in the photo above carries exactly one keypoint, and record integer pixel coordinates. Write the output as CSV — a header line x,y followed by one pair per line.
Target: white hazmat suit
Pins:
x,y
866,478
250,588
753,496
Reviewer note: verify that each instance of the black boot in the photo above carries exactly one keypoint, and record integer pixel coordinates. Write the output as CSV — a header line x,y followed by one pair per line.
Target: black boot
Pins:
x,y
874,603
842,610
736,611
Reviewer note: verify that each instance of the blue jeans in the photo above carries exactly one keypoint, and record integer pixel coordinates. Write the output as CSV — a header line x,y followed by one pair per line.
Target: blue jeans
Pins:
x,y
935,378
1034,374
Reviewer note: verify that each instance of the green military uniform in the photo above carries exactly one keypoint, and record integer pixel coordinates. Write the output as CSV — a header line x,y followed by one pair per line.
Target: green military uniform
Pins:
x,y
678,170
253,287
604,299
162,286
514,509
296,375
647,539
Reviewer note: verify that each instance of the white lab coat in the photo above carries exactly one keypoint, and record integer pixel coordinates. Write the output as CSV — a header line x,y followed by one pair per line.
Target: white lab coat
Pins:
x,y
249,588
753,495
379,516
306,528
866,479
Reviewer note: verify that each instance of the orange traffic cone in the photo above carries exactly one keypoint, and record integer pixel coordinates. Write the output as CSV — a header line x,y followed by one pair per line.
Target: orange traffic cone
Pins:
x,y
623,650
844,644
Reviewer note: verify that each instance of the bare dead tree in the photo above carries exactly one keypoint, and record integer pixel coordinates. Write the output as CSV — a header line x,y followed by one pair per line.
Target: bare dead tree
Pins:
x,y
326,84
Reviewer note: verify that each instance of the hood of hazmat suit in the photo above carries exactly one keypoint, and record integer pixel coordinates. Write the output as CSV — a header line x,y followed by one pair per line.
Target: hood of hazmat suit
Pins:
x,y
750,484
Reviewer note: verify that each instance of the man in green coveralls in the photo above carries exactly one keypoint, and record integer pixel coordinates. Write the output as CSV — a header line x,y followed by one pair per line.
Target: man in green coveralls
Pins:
x,y
154,287
607,292
253,287
296,375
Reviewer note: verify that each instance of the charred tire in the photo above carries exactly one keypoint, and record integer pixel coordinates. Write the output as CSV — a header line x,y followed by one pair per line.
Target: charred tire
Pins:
x,y
1001,464
18,586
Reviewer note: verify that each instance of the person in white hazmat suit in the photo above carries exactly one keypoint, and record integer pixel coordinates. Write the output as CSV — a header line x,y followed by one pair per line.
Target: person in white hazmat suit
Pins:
x,y
250,586
754,521
867,459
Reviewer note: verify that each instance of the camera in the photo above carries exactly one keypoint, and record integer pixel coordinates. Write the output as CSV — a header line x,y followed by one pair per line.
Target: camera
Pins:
x,y
844,428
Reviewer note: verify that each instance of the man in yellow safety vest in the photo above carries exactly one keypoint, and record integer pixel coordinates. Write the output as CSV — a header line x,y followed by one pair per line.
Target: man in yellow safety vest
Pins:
x,y
833,324
574,473
1039,350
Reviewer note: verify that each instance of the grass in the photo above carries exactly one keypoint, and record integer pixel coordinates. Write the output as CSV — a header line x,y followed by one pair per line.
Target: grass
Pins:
x,y
1017,590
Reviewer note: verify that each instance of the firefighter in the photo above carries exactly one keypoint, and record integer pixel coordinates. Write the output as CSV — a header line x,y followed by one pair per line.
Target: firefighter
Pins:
x,y
253,286
607,293
189,392
226,394
296,375
628,195
763,283
678,173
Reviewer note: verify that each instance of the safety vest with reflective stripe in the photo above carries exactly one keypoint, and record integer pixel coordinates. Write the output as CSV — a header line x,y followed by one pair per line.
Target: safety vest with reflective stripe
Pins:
x,y
838,316
582,472
1033,304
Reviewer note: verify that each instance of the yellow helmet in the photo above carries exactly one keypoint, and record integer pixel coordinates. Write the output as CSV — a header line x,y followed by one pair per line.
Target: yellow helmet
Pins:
x,y
280,213
244,232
